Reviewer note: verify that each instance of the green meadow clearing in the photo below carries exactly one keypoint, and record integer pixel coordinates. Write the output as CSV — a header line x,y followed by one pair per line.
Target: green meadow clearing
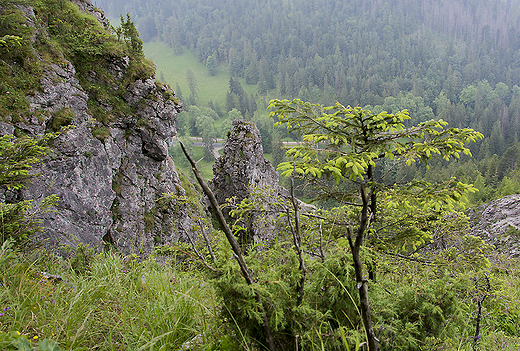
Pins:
x,y
173,69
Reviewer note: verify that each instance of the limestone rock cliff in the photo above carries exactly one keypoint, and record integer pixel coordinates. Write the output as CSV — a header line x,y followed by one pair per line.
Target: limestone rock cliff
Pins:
x,y
242,168
110,173
498,223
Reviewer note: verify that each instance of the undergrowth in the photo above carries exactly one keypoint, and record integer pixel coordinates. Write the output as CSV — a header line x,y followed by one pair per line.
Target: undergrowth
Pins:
x,y
106,302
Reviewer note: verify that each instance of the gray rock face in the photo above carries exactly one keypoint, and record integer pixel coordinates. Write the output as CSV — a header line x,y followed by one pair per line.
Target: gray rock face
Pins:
x,y
498,223
242,168
110,187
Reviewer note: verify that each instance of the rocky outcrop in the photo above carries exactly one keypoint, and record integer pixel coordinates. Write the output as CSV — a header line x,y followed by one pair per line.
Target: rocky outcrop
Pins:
x,y
111,176
498,223
243,168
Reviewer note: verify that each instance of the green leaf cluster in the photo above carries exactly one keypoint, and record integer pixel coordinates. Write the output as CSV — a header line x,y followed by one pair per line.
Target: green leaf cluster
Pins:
x,y
342,142
15,341
19,219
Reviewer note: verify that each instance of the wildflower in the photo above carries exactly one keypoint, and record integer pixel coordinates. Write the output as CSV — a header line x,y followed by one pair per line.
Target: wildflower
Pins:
x,y
53,301
35,337
17,332
6,309
1,314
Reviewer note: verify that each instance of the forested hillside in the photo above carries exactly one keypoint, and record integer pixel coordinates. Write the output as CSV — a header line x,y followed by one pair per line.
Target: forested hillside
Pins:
x,y
361,51
455,60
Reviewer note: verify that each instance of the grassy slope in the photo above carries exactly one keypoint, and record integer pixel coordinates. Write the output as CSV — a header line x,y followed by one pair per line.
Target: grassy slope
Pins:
x,y
104,303
174,68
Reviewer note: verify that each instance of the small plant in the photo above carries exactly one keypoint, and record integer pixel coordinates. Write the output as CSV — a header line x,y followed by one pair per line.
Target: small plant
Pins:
x,y
14,340
61,118
82,259
102,133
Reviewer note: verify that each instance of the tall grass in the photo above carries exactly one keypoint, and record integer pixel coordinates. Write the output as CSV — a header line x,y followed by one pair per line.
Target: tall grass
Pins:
x,y
118,304
110,302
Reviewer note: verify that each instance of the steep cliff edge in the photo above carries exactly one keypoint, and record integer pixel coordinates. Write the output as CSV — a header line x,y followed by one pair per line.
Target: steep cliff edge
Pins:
x,y
111,168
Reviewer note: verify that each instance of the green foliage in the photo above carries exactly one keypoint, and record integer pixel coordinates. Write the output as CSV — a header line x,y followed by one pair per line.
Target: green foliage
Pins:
x,y
212,65
414,312
81,37
417,301
197,120
236,98
355,139
17,341
17,156
82,259
128,32
19,70
192,83
19,219
61,118
352,146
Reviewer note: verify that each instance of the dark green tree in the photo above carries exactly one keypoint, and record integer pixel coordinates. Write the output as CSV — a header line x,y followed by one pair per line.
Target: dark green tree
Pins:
x,y
212,65
192,84
128,32
178,91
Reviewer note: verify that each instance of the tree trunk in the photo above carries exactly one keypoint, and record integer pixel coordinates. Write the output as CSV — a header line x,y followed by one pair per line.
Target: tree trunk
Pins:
x,y
355,247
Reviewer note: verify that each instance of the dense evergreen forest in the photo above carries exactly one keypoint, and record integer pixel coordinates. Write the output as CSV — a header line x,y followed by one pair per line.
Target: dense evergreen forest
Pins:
x,y
455,60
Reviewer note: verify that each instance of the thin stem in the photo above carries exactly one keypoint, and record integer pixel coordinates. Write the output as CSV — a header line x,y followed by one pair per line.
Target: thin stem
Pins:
x,y
208,244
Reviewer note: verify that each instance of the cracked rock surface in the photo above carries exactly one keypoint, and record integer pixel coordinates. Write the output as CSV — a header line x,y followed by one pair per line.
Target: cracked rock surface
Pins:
x,y
241,169
111,186
498,223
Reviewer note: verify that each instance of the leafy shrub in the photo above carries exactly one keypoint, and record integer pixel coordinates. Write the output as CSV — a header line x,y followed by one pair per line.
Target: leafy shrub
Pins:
x,y
19,220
